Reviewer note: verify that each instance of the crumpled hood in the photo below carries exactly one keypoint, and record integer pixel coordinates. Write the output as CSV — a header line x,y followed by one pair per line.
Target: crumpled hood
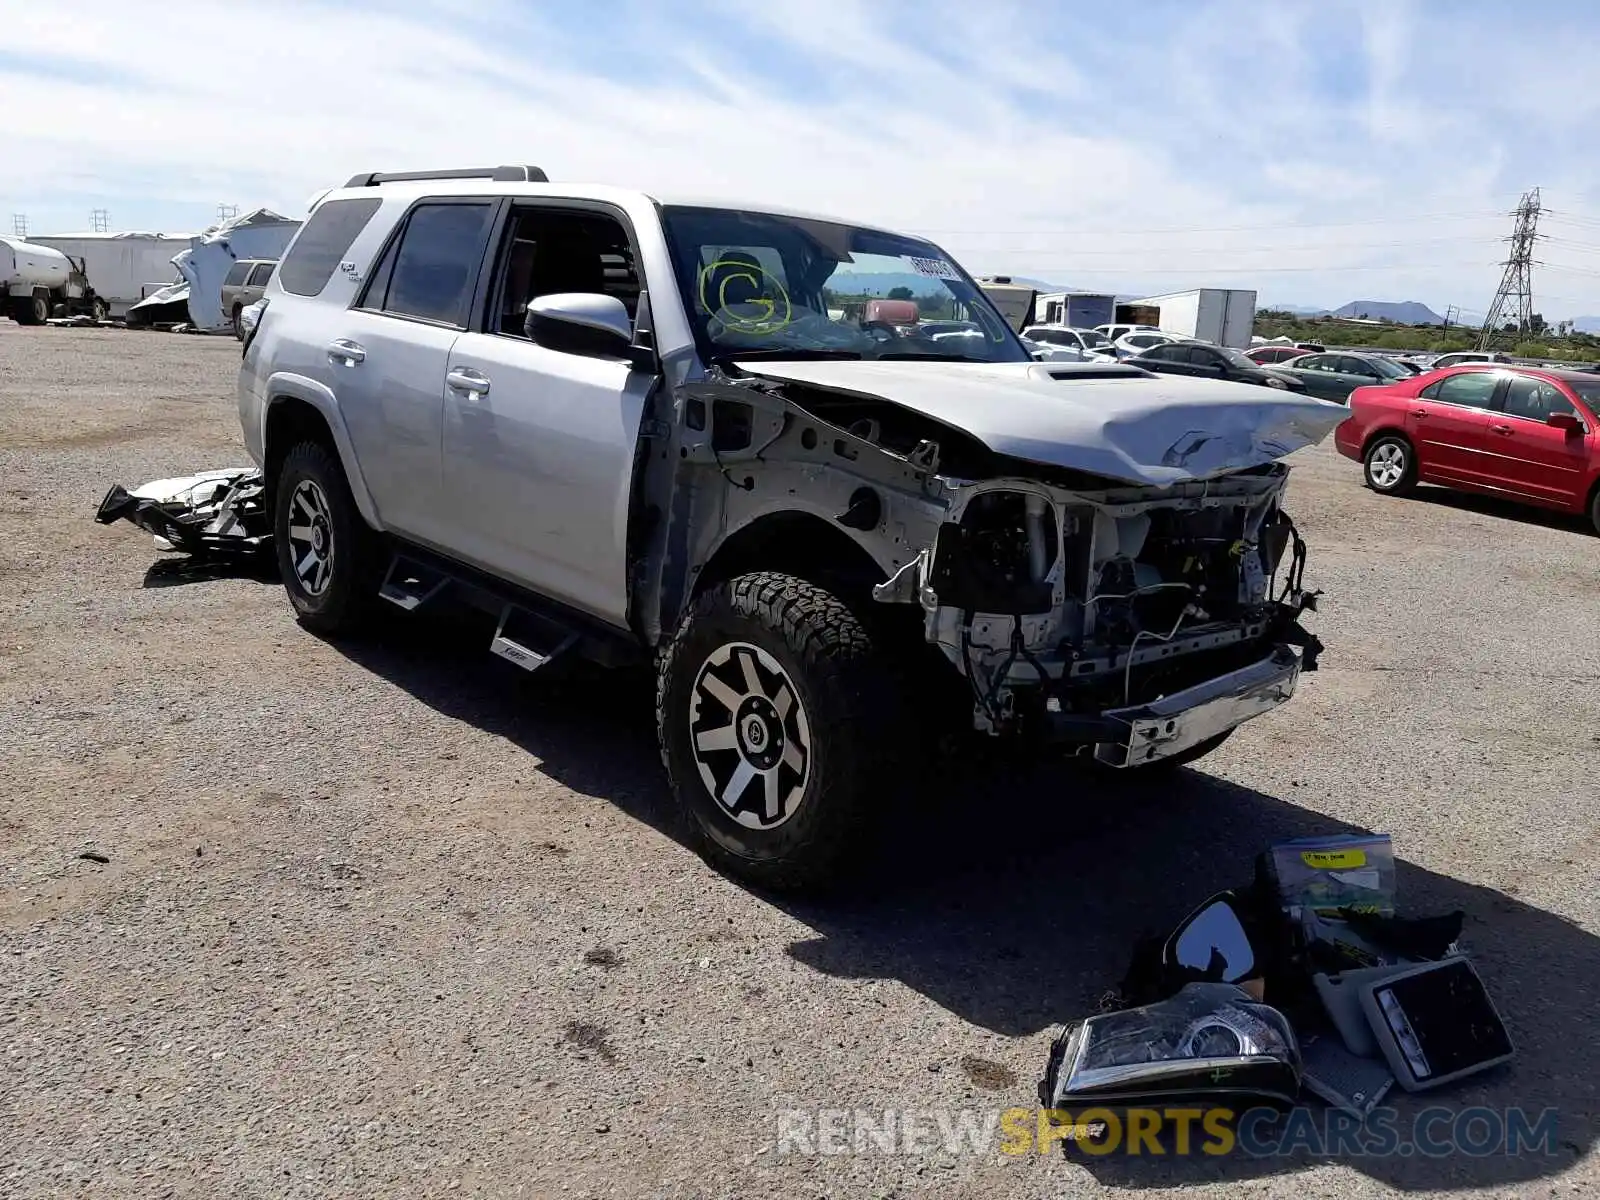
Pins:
x,y
1144,428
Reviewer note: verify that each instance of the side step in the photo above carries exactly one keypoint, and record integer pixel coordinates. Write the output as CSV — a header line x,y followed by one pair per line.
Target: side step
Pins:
x,y
410,584
528,639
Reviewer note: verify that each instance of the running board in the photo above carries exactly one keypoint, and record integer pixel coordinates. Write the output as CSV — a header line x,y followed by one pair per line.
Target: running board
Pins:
x,y
528,639
410,584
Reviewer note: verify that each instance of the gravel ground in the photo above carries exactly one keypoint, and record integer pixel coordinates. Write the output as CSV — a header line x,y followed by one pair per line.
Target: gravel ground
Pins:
x,y
397,919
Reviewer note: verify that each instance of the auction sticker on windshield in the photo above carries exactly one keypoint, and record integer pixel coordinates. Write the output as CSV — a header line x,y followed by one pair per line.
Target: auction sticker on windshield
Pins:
x,y
933,268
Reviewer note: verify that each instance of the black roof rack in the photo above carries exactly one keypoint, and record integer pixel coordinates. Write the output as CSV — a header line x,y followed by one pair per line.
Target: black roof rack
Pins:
x,y
507,174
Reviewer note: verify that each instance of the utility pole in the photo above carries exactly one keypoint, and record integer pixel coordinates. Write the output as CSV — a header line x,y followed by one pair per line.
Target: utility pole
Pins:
x,y
100,220
1516,284
19,224
226,212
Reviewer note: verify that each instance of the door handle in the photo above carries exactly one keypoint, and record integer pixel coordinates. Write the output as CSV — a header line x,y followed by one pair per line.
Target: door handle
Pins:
x,y
465,379
1501,428
1419,412
346,353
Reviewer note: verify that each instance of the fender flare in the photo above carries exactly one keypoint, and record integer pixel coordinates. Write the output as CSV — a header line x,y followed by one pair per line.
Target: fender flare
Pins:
x,y
285,385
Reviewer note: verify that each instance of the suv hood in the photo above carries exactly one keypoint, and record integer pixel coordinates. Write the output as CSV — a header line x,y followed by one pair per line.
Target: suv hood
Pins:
x,y
1114,421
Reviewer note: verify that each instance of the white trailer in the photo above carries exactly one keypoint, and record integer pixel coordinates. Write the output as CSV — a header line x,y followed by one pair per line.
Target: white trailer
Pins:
x,y
1224,316
124,267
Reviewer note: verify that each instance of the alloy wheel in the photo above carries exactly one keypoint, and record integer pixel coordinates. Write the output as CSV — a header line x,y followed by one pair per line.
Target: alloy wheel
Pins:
x,y
311,537
751,739
1387,466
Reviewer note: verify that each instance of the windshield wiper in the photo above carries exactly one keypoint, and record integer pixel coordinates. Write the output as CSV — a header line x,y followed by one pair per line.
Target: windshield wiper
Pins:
x,y
779,352
909,355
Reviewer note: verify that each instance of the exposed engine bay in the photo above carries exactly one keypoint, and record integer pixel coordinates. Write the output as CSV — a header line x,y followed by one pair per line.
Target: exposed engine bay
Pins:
x,y
1100,555
1059,606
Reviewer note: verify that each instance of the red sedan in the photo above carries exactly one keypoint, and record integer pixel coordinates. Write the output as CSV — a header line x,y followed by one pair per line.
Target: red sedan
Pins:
x,y
1525,434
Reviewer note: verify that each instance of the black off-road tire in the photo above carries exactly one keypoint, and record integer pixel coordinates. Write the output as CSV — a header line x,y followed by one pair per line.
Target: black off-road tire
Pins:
x,y
344,601
854,723
1371,470
238,324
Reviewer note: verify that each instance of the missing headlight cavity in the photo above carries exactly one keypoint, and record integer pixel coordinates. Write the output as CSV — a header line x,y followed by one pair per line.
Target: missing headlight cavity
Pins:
x,y
998,558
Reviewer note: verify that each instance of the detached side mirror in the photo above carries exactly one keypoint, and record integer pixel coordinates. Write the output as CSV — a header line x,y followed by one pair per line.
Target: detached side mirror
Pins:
x,y
1565,421
1214,942
587,323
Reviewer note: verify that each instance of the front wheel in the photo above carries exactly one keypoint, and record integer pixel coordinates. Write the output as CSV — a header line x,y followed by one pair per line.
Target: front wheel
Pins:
x,y
1391,465
780,727
327,554
238,322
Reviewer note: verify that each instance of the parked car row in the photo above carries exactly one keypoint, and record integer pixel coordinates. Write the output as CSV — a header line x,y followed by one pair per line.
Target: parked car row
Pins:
x,y
1526,434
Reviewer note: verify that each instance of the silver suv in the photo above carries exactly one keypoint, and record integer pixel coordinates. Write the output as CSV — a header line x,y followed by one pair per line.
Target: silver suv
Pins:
x,y
634,428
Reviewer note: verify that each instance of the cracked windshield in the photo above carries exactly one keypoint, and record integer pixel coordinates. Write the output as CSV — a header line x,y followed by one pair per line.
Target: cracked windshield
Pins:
x,y
766,286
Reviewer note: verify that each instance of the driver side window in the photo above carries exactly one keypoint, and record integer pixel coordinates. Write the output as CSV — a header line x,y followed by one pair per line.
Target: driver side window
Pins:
x,y
548,251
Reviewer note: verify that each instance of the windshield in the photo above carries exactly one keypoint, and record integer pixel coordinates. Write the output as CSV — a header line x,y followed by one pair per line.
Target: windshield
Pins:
x,y
1588,392
1237,359
1093,338
757,284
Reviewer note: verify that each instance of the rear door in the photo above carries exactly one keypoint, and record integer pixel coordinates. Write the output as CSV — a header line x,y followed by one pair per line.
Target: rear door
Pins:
x,y
1321,375
390,357
1526,456
1203,361
1448,423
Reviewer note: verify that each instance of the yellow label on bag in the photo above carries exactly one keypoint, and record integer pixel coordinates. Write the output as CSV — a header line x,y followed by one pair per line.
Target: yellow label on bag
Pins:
x,y
1334,860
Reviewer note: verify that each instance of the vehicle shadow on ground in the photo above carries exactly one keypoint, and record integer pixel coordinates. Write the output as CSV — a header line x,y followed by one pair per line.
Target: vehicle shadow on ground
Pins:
x,y
177,571
1493,506
1012,897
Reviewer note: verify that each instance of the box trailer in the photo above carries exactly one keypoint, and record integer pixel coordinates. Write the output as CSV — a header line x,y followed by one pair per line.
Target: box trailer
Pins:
x,y
1081,310
1225,316
1015,301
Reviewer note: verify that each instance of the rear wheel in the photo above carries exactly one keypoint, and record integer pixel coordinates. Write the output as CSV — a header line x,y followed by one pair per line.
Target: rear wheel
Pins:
x,y
238,323
1594,508
98,309
327,554
1391,465
32,310
780,726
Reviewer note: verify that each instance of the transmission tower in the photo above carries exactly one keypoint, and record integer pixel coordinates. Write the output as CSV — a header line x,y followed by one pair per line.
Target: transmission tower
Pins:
x,y
100,220
19,224
226,212
1516,285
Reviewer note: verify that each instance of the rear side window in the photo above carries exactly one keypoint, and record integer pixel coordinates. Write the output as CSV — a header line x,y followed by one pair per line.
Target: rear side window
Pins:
x,y
1471,389
430,272
236,274
322,243
262,273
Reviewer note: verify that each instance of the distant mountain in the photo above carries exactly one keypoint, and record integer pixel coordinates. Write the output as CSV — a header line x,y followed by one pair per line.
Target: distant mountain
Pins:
x,y
1403,312
881,283
1586,324
1299,310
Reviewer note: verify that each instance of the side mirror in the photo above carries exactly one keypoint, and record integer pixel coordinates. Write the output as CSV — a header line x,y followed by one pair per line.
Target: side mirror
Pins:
x,y
587,323
1213,941
1565,421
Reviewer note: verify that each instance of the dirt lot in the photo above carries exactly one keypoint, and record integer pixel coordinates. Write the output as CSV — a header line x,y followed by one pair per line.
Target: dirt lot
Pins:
x,y
395,919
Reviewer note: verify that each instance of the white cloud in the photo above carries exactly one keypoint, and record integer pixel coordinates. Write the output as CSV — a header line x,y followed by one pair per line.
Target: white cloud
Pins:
x,y
1024,143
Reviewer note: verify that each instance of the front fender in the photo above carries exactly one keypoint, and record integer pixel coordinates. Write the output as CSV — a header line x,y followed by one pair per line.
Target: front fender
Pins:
x,y
285,385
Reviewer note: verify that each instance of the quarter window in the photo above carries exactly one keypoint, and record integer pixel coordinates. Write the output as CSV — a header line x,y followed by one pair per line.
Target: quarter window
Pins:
x,y
322,243
236,274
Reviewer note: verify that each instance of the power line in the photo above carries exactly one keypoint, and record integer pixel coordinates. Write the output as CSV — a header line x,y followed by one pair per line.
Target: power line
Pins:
x,y
1516,284
1080,231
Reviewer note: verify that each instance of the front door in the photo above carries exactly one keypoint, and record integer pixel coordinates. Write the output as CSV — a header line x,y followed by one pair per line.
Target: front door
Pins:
x,y
1533,459
1449,425
539,443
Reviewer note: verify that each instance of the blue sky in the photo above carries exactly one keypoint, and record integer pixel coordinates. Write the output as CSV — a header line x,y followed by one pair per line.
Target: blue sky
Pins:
x,y
1318,152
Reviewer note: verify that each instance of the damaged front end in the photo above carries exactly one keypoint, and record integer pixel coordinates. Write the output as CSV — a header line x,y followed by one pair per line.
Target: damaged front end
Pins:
x,y
210,516
1139,622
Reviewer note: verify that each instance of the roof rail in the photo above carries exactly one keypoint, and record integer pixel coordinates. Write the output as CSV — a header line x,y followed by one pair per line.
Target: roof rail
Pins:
x,y
506,174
